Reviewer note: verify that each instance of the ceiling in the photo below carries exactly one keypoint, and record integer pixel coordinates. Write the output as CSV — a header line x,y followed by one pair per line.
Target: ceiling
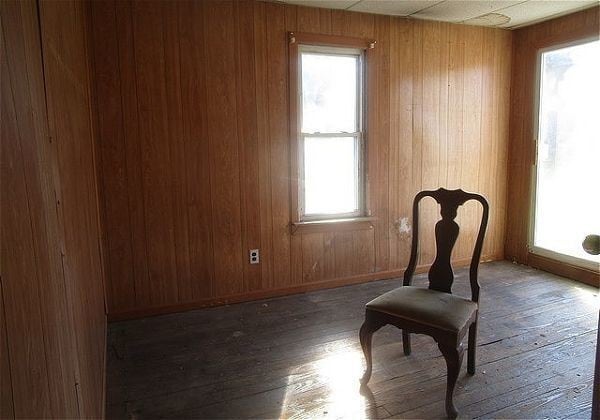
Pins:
x,y
509,14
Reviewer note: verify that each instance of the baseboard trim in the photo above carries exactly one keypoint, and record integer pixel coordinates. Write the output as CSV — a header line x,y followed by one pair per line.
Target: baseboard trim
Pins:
x,y
271,293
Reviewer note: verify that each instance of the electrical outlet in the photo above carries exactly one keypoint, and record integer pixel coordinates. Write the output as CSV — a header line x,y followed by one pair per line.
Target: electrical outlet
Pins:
x,y
254,256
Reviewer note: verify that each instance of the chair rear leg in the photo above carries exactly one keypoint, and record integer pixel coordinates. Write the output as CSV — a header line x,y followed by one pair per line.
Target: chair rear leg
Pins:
x,y
472,350
454,357
406,342
366,337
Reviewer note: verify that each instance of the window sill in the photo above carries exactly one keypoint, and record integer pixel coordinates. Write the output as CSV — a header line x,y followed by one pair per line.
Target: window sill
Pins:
x,y
333,225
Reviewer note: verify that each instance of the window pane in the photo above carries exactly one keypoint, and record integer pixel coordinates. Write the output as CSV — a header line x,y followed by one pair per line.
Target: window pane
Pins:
x,y
329,84
330,175
568,196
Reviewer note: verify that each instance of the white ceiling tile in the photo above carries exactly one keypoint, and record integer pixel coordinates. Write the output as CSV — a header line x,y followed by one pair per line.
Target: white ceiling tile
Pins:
x,y
328,4
393,7
461,10
537,10
471,12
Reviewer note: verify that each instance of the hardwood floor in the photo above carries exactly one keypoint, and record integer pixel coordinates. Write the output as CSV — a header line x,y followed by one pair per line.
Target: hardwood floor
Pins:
x,y
299,356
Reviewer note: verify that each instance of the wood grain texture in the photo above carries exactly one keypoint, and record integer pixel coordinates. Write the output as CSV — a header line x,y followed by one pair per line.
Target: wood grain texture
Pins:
x,y
196,151
521,153
53,319
69,103
7,409
299,356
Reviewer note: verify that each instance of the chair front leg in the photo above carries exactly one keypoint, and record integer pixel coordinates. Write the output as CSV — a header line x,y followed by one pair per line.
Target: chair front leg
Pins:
x,y
366,337
454,357
406,342
471,352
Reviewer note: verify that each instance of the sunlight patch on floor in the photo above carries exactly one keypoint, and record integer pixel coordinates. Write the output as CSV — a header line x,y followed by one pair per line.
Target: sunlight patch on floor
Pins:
x,y
589,298
327,388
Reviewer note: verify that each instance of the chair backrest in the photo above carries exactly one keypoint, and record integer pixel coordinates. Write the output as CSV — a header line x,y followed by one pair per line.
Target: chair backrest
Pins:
x,y
441,275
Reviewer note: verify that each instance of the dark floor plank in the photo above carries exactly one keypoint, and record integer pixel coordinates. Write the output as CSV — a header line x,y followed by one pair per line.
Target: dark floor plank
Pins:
x,y
299,357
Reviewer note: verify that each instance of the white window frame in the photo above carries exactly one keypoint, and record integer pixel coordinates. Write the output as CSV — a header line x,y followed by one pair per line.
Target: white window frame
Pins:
x,y
359,135
537,250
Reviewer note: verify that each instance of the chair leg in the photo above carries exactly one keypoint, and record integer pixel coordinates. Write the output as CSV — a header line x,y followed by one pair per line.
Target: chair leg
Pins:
x,y
366,335
406,342
471,352
454,357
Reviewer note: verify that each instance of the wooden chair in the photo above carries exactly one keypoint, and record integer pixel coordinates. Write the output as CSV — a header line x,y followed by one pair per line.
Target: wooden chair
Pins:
x,y
433,311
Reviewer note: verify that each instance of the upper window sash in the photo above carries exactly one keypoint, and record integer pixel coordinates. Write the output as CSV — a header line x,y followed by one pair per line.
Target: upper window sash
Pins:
x,y
357,55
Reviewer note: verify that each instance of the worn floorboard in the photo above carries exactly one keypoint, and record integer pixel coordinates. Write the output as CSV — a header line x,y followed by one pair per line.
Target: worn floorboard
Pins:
x,y
299,356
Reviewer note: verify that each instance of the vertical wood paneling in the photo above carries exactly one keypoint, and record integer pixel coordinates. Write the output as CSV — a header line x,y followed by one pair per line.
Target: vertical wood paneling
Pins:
x,y
430,141
363,258
277,74
7,409
222,125
328,255
68,99
53,319
456,72
178,200
312,253
298,19
444,76
42,356
343,254
113,160
401,142
503,87
20,282
248,141
435,102
379,121
197,155
148,27
488,110
134,170
261,61
472,139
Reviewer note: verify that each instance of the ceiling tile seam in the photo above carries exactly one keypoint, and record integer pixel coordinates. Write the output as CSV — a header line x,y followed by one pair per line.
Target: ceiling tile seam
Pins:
x,y
353,4
428,7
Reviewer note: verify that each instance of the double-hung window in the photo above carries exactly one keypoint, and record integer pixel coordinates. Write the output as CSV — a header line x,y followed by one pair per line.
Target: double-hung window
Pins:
x,y
330,136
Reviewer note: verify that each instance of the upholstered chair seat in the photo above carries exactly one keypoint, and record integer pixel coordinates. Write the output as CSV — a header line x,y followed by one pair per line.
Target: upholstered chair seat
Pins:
x,y
424,306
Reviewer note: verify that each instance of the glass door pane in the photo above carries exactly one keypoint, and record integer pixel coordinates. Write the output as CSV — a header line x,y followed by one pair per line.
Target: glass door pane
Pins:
x,y
567,204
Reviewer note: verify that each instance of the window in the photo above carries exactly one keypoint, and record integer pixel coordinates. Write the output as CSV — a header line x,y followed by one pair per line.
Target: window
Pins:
x,y
567,201
328,90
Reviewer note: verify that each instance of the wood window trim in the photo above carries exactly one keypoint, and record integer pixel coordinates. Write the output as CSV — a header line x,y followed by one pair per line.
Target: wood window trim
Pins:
x,y
352,223
333,225
562,268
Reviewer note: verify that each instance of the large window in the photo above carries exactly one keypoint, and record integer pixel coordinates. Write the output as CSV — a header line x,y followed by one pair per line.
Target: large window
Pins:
x,y
330,131
567,199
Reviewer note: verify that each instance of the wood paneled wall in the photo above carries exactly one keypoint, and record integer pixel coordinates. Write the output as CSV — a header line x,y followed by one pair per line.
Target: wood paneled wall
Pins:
x,y
194,162
52,321
527,42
